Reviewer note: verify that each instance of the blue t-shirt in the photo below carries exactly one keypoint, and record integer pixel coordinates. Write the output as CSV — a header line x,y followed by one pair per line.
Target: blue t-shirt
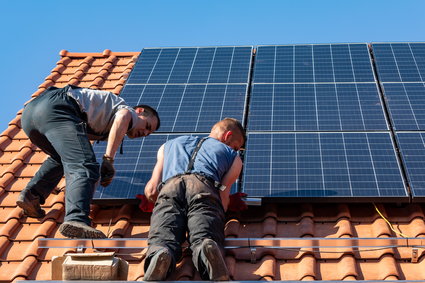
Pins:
x,y
214,158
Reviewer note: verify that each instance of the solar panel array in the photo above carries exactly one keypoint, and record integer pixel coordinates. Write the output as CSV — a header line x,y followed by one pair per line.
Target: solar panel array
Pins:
x,y
321,125
313,119
401,71
191,88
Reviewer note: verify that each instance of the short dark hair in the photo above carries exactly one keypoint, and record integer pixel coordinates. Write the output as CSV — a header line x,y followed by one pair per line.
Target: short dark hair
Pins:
x,y
150,111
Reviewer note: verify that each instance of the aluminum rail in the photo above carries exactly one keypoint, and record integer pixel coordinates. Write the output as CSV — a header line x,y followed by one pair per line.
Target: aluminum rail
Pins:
x,y
236,243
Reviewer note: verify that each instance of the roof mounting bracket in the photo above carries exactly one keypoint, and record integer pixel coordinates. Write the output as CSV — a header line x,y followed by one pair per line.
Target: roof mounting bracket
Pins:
x,y
80,249
253,256
415,255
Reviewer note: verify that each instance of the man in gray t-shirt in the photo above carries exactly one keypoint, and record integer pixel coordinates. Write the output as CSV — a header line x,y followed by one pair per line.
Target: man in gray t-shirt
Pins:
x,y
62,121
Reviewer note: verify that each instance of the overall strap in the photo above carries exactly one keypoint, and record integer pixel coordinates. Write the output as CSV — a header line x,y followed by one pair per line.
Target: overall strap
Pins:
x,y
194,153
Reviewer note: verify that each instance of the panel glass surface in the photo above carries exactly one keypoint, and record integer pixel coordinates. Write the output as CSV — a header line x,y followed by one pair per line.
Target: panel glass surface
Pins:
x,y
406,103
315,107
190,108
361,165
313,64
412,149
201,65
400,62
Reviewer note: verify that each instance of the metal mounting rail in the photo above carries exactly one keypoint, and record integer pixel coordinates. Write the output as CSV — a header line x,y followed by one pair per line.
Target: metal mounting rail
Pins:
x,y
235,243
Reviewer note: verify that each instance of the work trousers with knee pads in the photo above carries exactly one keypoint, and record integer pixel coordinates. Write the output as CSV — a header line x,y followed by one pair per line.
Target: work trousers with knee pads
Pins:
x,y
189,205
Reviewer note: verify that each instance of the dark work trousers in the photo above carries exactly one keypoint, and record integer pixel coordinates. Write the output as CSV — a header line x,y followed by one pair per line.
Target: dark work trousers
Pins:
x,y
54,122
186,203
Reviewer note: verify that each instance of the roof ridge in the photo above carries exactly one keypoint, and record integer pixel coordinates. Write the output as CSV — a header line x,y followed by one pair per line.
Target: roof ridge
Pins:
x,y
105,53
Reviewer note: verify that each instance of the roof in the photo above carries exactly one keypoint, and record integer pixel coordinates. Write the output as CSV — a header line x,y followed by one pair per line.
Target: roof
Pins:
x,y
22,259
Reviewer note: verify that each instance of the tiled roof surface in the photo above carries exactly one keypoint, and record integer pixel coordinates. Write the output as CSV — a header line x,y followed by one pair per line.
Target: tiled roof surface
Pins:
x,y
22,259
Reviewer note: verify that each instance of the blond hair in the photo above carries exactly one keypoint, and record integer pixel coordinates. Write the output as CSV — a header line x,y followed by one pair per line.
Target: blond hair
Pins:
x,y
229,124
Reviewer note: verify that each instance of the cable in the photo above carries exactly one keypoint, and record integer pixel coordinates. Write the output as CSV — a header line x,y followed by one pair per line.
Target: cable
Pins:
x,y
388,222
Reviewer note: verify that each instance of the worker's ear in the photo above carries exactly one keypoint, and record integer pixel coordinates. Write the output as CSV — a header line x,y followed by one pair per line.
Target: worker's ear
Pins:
x,y
227,135
139,110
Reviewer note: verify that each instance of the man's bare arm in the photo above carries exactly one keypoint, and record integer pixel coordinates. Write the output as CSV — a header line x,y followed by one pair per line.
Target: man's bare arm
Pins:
x,y
151,192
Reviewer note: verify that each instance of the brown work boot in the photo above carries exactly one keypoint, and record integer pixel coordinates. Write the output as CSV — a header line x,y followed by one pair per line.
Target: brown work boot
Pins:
x,y
30,204
74,229
213,260
158,266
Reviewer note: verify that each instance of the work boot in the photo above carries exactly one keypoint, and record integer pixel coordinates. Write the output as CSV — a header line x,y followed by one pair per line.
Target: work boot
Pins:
x,y
158,266
213,260
30,204
74,229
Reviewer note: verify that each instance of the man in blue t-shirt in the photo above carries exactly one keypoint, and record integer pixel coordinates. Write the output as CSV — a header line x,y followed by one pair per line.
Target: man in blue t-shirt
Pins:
x,y
195,176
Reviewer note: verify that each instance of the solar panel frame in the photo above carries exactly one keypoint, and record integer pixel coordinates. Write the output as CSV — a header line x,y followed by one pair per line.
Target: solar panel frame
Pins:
x,y
400,61
316,107
412,152
205,70
406,105
324,160
301,67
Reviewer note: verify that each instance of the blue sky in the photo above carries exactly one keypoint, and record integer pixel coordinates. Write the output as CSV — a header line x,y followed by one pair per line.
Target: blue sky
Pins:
x,y
33,32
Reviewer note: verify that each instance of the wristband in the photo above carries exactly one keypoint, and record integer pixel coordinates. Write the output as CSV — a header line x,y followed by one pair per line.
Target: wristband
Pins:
x,y
107,158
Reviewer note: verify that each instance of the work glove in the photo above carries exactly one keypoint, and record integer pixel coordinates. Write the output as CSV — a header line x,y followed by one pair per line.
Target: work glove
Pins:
x,y
236,203
145,205
107,171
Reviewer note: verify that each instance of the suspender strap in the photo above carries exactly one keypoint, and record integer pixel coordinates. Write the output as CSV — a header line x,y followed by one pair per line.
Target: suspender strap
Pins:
x,y
194,153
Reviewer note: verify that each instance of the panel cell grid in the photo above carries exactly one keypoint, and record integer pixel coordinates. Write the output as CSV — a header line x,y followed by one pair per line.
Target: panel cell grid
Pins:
x,y
400,62
203,65
324,63
190,108
412,149
330,165
406,103
316,107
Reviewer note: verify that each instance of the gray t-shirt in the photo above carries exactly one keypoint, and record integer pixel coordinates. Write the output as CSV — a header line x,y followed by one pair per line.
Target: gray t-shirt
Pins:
x,y
100,108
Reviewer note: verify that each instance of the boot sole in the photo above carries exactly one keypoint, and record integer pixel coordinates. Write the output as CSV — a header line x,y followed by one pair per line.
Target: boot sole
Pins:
x,y
29,210
218,266
158,267
71,230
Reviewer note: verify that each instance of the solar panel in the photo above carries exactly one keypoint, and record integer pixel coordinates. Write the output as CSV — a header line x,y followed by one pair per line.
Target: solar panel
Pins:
x,y
190,108
400,62
332,165
318,63
412,149
199,65
406,103
316,107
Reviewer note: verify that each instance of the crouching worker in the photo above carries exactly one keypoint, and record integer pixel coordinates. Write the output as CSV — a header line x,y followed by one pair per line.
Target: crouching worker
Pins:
x,y
61,121
193,198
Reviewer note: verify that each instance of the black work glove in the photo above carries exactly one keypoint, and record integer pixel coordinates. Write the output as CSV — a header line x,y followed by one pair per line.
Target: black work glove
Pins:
x,y
107,171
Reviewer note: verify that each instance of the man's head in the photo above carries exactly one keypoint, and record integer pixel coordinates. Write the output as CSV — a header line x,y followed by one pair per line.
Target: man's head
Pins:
x,y
147,122
230,132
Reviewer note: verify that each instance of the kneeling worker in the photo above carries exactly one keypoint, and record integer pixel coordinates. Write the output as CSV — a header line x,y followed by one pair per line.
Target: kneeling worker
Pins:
x,y
197,174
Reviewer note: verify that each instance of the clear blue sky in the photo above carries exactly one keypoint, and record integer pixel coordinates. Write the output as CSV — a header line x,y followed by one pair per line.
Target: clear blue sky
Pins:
x,y
33,32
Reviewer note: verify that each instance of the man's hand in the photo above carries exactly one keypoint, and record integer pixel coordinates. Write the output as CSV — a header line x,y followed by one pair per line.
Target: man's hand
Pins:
x,y
107,171
145,205
236,203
